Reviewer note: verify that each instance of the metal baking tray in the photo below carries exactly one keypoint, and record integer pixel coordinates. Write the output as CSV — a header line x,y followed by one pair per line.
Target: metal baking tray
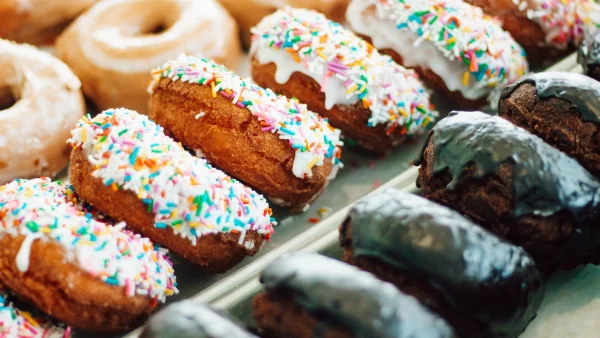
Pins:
x,y
313,230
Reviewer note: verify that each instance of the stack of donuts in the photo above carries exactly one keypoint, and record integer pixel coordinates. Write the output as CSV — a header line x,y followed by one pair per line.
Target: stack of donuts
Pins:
x,y
193,160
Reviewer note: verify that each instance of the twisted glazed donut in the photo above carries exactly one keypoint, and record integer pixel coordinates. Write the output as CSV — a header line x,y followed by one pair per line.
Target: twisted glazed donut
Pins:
x,y
38,21
34,129
114,46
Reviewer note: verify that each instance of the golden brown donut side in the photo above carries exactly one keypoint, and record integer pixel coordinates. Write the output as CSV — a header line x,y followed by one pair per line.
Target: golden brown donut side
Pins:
x,y
352,120
216,253
66,292
231,138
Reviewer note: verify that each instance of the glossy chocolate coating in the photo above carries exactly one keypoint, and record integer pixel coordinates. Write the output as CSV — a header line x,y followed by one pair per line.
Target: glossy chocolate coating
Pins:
x,y
351,298
589,53
477,273
187,319
582,92
544,180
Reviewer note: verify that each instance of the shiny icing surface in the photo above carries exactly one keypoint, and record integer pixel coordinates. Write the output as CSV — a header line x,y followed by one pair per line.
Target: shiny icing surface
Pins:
x,y
478,274
589,52
186,319
545,181
352,298
466,48
347,68
582,92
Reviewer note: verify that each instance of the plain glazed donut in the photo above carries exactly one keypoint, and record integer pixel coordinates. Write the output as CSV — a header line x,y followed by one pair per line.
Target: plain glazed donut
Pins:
x,y
114,46
40,101
59,255
38,21
124,165
248,13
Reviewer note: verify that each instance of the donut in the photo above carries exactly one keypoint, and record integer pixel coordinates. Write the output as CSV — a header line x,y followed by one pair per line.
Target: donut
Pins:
x,y
14,322
123,164
308,295
114,46
38,21
561,108
375,102
273,144
515,185
40,100
588,56
457,49
482,285
239,9
186,319
81,270
546,29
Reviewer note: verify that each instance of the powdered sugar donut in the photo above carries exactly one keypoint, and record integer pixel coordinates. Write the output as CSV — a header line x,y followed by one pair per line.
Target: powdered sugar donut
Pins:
x,y
114,46
40,101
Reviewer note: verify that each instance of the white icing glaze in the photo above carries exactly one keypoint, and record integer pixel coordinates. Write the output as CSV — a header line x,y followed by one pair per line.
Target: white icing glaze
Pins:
x,y
25,251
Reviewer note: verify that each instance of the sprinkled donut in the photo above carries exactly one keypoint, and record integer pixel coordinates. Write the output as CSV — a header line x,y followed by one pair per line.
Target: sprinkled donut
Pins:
x,y
373,100
114,46
545,28
82,271
38,21
124,165
40,101
458,50
274,144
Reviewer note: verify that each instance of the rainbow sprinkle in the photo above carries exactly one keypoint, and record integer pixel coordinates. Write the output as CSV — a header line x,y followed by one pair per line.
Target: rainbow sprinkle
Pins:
x,y
312,138
565,22
460,32
130,152
15,323
40,208
348,68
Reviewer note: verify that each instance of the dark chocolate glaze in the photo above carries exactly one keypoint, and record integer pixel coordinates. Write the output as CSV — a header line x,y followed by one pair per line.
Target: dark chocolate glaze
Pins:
x,y
187,319
544,181
589,52
344,295
582,92
477,273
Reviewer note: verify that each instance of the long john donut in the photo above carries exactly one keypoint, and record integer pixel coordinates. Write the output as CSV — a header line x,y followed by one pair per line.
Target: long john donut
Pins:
x,y
124,165
274,144
80,270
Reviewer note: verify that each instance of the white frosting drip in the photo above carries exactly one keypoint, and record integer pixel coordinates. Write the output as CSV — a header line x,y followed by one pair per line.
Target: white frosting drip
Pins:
x,y
25,251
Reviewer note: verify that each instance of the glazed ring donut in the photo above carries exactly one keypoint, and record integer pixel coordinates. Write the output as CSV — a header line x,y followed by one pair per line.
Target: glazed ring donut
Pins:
x,y
124,165
373,100
273,144
457,50
333,9
114,46
40,101
38,21
91,275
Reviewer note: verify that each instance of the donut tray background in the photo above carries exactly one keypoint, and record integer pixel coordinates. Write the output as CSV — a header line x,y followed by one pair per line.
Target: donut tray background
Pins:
x,y
316,230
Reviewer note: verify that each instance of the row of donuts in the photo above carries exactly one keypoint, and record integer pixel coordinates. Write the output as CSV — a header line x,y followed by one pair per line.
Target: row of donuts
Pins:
x,y
470,282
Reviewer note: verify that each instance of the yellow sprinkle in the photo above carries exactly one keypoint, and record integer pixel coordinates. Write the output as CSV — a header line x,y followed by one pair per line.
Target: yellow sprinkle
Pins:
x,y
312,163
451,40
319,53
194,224
351,89
212,86
82,134
403,112
466,79
30,319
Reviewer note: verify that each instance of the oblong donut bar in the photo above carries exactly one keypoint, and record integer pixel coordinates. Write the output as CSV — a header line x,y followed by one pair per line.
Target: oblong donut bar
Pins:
x,y
44,90
82,271
455,48
373,100
114,45
124,165
274,144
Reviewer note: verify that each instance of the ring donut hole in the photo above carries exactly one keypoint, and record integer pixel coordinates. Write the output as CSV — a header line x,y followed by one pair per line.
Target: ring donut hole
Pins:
x,y
7,98
158,23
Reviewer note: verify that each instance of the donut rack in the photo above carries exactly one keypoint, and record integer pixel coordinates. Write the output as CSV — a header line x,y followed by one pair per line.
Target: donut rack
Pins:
x,y
315,230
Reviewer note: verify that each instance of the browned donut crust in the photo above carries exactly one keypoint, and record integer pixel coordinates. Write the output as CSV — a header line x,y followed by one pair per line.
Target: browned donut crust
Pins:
x,y
216,253
412,285
352,120
557,122
525,31
279,316
64,291
231,138
489,202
